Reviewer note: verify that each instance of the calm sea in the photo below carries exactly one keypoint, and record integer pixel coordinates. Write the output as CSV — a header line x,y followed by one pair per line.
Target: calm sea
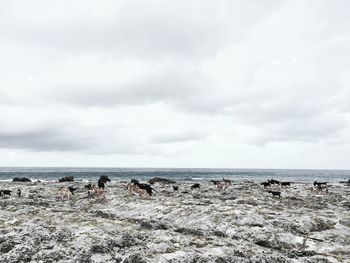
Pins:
x,y
143,174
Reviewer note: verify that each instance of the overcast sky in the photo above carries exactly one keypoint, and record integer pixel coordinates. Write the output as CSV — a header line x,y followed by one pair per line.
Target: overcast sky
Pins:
x,y
157,83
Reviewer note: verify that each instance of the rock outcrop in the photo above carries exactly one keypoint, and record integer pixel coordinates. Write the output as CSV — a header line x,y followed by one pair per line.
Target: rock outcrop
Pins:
x,y
161,180
66,179
23,179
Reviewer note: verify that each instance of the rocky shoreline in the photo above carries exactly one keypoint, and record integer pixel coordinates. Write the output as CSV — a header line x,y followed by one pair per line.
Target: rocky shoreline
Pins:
x,y
244,223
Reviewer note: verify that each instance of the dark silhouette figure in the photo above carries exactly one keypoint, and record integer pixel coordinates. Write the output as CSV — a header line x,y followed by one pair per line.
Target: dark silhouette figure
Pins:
x,y
101,182
195,186
275,193
72,189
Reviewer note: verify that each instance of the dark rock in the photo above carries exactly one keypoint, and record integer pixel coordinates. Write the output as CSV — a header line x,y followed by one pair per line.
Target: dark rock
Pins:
x,y
135,258
100,248
189,231
218,233
6,246
265,243
66,179
320,225
104,214
153,225
23,179
126,241
161,180
297,254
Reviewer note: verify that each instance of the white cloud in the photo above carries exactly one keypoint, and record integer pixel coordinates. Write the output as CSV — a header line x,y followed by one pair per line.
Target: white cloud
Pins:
x,y
191,83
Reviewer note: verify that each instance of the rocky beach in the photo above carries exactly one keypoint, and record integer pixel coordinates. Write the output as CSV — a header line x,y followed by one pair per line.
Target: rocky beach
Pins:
x,y
244,223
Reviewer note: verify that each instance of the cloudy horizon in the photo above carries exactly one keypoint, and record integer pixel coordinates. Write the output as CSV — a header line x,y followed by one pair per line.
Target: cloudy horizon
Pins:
x,y
220,84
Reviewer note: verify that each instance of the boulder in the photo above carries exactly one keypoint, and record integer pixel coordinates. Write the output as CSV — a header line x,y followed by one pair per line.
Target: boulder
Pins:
x,y
66,179
23,179
161,180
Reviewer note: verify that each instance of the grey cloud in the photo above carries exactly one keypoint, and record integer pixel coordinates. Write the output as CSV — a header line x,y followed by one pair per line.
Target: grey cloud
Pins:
x,y
70,137
177,137
41,140
310,130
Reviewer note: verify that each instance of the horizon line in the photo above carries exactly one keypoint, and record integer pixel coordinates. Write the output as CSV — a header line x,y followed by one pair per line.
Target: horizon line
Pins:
x,y
184,168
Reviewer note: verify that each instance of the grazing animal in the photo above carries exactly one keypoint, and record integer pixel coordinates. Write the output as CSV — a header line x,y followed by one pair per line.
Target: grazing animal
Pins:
x,y
222,186
285,183
227,181
88,186
101,182
136,188
64,193
275,193
266,184
19,193
132,188
98,192
134,181
175,188
72,189
104,179
319,183
142,193
5,192
215,182
194,186
321,186
146,187
273,181
101,185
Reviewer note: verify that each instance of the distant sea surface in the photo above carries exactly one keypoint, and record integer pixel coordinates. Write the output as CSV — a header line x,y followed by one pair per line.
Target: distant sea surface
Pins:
x,y
144,174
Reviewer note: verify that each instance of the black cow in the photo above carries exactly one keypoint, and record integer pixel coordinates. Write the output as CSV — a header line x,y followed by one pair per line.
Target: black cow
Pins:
x,y
72,189
275,193
5,192
227,181
321,186
146,187
319,183
194,186
285,183
215,182
273,181
265,184
101,182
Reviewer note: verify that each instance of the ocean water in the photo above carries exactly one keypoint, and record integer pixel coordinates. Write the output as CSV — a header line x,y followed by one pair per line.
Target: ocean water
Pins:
x,y
180,175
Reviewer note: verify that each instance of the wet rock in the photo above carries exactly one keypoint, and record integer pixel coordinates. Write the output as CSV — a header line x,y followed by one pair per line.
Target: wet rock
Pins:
x,y
100,248
104,214
153,225
66,179
189,231
126,241
135,258
161,180
299,254
321,224
6,246
22,180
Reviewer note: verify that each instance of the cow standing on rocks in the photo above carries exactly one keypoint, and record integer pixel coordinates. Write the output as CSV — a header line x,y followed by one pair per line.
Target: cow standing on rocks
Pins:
x,y
102,181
